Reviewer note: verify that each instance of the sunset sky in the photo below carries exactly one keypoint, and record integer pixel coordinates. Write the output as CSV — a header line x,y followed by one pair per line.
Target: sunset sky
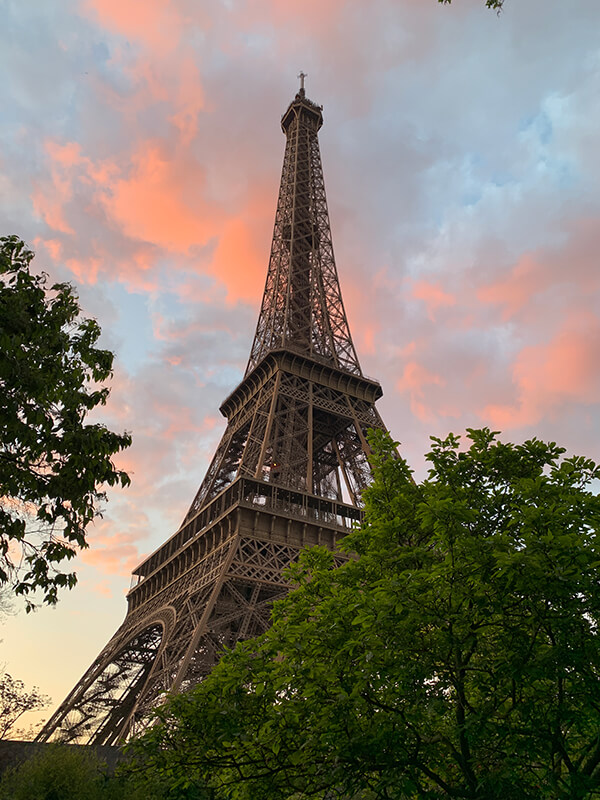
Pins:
x,y
140,155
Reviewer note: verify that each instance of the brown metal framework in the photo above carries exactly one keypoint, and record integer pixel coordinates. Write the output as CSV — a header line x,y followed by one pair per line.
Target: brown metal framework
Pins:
x,y
288,473
302,307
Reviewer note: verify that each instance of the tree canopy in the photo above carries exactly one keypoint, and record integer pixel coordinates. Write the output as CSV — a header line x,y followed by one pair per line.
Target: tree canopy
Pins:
x,y
455,654
59,772
495,4
53,464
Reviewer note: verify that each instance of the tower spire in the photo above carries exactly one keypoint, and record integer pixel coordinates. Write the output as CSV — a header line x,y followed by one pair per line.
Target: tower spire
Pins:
x,y
302,76
288,473
302,306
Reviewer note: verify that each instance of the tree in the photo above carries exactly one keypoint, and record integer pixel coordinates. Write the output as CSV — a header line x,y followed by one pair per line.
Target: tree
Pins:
x,y
16,700
53,466
60,772
455,654
75,772
495,4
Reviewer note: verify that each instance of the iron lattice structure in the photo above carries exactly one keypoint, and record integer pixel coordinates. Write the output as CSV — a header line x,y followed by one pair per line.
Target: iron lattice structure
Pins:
x,y
288,473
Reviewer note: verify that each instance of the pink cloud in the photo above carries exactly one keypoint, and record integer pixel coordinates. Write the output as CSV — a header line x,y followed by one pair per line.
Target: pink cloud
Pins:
x,y
166,330
188,100
168,432
368,334
160,200
179,421
52,246
240,258
85,271
50,198
281,13
433,296
163,69
49,207
415,379
512,293
114,542
548,376
67,155
561,273
158,24
151,199
103,589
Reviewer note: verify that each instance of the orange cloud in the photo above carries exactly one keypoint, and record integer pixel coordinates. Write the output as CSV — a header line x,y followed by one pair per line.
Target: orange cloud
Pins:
x,y
240,260
565,370
159,201
156,200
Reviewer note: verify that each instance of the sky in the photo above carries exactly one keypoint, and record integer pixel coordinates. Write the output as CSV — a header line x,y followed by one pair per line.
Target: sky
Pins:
x,y
140,156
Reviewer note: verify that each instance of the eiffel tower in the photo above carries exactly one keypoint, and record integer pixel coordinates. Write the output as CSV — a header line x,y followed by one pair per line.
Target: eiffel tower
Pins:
x,y
287,474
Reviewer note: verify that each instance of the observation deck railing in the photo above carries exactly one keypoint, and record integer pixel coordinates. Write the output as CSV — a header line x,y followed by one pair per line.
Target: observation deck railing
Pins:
x,y
262,496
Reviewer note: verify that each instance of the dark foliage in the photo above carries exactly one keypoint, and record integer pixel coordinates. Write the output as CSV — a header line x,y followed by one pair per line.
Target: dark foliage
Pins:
x,y
455,657
53,465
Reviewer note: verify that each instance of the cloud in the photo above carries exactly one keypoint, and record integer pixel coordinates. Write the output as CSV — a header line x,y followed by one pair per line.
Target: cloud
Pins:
x,y
415,380
552,375
103,589
159,200
433,296
158,24
239,258
115,546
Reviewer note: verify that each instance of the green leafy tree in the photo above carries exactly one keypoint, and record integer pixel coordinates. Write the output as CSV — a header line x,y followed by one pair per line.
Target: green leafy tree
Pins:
x,y
71,772
455,654
53,465
61,772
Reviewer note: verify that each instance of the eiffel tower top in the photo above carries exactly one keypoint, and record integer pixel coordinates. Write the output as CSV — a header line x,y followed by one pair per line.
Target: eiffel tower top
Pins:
x,y
302,308
300,415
